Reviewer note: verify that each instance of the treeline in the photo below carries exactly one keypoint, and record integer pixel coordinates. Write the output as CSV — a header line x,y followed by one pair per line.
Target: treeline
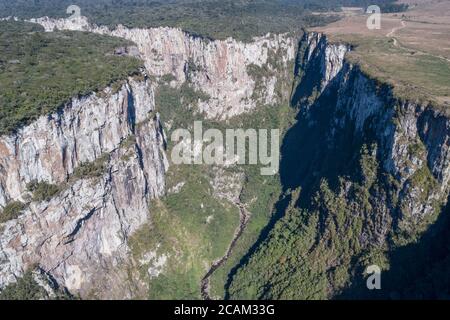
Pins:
x,y
217,19
40,71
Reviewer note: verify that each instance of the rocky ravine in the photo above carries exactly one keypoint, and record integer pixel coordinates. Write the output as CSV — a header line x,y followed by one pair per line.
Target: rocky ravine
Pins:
x,y
373,170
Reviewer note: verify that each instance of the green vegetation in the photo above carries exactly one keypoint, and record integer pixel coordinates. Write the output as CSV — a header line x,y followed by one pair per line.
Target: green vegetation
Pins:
x,y
40,71
44,191
167,78
217,19
92,169
25,288
326,227
273,67
339,206
128,145
410,228
12,211
179,105
310,252
259,193
191,228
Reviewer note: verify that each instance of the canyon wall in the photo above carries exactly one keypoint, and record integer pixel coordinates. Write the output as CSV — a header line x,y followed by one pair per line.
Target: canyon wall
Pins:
x,y
80,235
409,136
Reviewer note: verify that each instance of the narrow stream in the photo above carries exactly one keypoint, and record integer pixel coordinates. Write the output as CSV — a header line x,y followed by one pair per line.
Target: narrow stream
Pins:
x,y
244,217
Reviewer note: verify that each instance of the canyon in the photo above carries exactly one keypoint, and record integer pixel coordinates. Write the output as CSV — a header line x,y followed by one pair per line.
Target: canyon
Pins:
x,y
81,236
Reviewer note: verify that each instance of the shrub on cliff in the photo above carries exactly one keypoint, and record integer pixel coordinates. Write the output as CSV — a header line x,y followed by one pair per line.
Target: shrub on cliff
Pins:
x,y
26,288
40,71
11,211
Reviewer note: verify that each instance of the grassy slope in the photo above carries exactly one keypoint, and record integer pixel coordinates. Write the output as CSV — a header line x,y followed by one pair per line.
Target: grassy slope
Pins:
x,y
192,227
260,193
40,71
293,261
182,231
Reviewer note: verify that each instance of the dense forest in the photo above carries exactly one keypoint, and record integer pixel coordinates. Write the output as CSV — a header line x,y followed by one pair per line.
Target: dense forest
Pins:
x,y
211,18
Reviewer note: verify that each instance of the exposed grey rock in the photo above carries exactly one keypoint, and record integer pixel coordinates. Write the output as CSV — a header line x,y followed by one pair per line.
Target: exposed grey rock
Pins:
x,y
80,237
53,146
45,282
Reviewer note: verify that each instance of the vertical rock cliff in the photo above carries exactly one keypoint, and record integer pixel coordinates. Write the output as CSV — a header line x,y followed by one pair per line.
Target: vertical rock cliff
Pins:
x,y
79,236
366,174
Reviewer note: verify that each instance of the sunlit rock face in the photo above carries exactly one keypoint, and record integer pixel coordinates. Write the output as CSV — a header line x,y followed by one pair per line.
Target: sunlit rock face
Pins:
x,y
219,68
80,236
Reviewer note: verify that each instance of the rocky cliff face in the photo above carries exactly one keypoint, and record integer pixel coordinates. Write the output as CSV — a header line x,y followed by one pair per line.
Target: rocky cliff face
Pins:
x,y
367,174
80,235
218,68
411,138
371,166
84,129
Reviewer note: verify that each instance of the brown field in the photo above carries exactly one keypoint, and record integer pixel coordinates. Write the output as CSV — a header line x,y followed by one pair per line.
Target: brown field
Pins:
x,y
411,50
